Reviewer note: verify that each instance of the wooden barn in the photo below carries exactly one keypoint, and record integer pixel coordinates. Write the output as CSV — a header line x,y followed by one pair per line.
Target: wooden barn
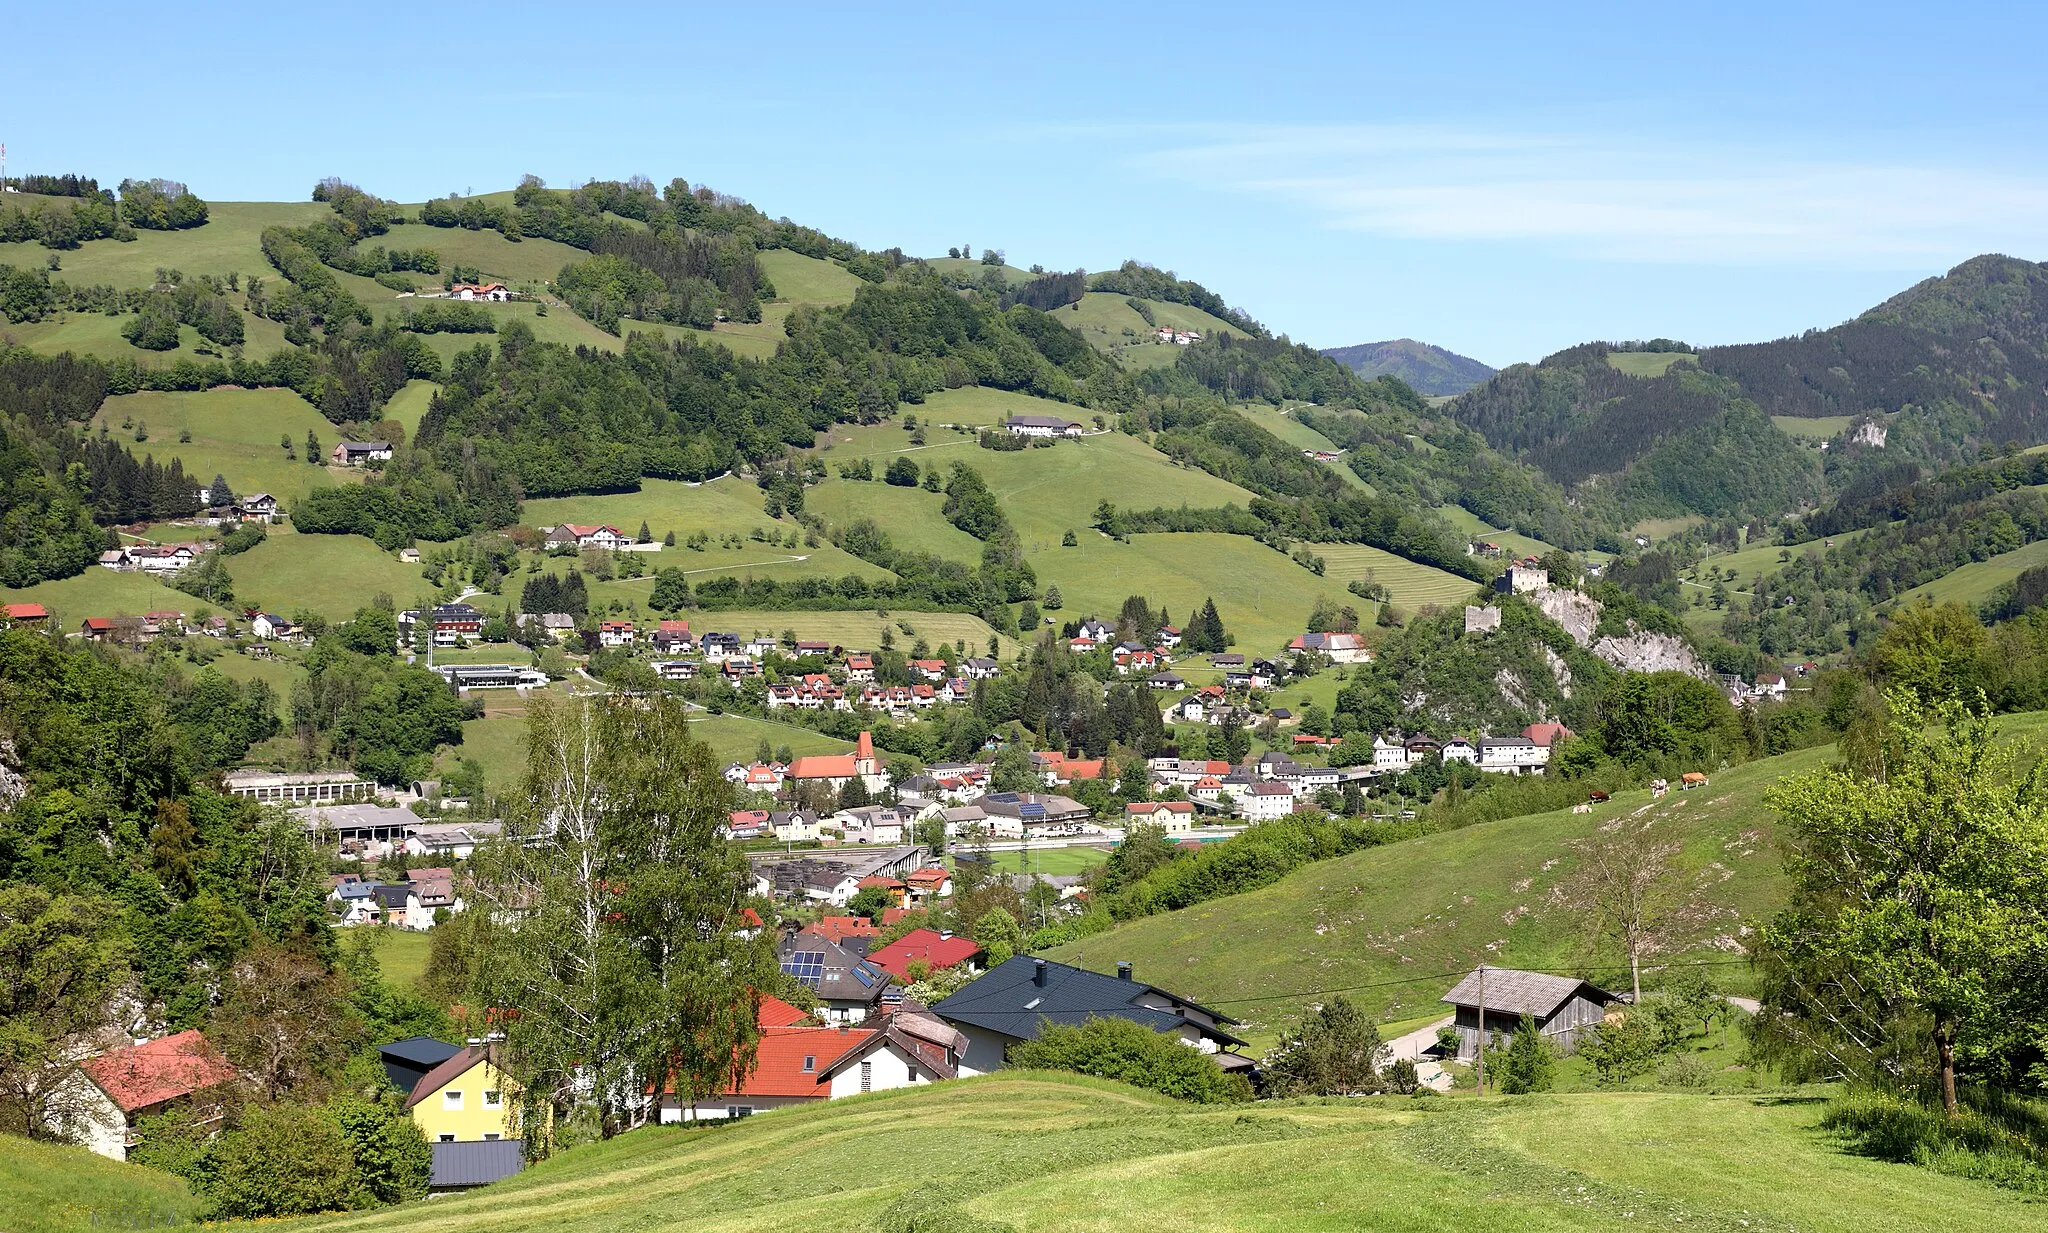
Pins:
x,y
1564,1007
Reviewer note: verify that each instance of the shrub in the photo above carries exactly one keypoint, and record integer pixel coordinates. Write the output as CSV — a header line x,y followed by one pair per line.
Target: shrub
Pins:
x,y
1687,1070
1992,1139
1121,1049
1527,1064
1402,1079
1337,1052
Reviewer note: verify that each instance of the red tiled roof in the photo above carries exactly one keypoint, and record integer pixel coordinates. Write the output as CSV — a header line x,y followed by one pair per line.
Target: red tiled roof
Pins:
x,y
1147,808
1546,734
779,1059
877,879
140,1076
930,875
775,1012
927,944
26,612
822,766
840,928
99,622
1091,769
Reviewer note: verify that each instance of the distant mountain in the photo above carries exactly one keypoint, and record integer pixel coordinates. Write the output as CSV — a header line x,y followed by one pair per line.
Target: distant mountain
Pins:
x,y
1950,369
1427,369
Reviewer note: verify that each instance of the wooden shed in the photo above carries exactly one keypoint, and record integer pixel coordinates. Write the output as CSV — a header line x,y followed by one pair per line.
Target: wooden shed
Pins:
x,y
1564,1007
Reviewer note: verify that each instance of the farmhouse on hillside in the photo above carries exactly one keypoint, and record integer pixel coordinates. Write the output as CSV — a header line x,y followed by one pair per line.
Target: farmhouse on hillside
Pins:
x,y
1564,1007
571,534
356,453
1042,426
1341,648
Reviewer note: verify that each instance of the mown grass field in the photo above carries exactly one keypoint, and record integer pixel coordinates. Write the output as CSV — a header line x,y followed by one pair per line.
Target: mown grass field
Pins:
x,y
1104,316
1020,1150
51,1188
236,433
101,592
1647,363
1974,583
229,243
410,403
1055,862
1816,428
100,335
861,628
332,575
1422,911
1413,585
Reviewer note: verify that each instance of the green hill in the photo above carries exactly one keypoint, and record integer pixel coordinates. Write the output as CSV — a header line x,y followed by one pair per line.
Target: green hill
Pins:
x,y
1672,430
1025,1151
1394,924
1430,369
49,1188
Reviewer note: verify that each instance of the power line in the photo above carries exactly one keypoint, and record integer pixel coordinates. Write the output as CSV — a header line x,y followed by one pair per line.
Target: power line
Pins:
x,y
1461,972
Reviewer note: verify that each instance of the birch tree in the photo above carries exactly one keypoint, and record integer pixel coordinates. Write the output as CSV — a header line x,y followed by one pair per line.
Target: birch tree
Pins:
x,y
606,942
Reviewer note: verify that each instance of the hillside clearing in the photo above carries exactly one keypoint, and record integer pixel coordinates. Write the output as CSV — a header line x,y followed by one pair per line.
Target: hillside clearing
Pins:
x,y
1818,428
236,433
50,1188
1974,583
1647,363
1413,585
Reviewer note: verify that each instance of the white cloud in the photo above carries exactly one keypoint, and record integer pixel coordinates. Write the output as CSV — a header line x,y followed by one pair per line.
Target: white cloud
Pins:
x,y
1647,201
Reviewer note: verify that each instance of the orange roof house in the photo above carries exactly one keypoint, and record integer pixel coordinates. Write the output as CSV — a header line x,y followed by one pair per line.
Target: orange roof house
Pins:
x,y
121,1086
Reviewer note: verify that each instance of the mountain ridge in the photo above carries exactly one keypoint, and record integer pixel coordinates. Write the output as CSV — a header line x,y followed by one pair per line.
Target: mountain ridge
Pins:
x,y
1430,369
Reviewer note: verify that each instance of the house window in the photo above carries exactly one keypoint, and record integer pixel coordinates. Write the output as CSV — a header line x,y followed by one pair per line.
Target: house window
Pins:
x,y
447,1138
451,1100
493,1100
491,1138
867,1076
810,1063
738,1110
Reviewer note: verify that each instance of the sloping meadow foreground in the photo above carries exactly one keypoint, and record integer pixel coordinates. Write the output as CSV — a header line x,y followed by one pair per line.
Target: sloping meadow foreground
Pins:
x,y
1029,1151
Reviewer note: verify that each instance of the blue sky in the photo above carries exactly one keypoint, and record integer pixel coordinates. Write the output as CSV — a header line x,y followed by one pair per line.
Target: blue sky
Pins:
x,y
1500,181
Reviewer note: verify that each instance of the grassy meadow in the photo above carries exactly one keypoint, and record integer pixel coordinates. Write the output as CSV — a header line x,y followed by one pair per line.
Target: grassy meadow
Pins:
x,y
1814,428
1396,925
1413,585
1059,1152
1974,583
50,1188
332,575
235,432
102,592
1647,363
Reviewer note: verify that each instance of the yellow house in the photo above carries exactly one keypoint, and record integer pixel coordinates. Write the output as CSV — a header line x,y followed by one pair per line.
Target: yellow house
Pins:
x,y
465,1099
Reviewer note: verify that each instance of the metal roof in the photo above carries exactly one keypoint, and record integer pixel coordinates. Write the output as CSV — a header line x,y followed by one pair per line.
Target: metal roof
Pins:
x,y
1008,1000
1512,992
476,1164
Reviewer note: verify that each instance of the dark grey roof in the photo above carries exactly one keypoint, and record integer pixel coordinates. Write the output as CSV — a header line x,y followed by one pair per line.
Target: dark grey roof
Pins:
x,y
393,894
1509,992
407,1061
476,1164
1007,1000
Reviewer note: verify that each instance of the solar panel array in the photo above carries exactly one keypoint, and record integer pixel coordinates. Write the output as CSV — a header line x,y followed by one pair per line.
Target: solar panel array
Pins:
x,y
866,975
807,966
1031,809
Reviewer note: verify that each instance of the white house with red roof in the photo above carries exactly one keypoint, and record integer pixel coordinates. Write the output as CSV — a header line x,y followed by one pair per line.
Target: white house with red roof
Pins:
x,y
1177,817
494,292
575,534
98,1105
797,1065
1264,802
1341,648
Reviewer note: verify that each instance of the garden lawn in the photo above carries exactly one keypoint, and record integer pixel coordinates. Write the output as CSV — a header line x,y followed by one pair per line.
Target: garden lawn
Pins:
x,y
1055,862
402,953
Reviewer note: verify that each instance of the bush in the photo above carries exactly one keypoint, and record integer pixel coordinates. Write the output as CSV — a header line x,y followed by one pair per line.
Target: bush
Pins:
x,y
285,1160
1621,1049
1687,1070
1121,1049
1993,1139
1527,1064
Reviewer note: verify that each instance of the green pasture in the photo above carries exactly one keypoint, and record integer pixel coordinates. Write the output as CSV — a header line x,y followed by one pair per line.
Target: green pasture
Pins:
x,y
235,432
1647,363
1815,428
1974,583
1413,585
332,575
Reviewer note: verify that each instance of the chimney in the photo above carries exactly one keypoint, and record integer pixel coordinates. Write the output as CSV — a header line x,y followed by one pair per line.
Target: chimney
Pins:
x,y
1123,970
946,935
1038,972
844,1027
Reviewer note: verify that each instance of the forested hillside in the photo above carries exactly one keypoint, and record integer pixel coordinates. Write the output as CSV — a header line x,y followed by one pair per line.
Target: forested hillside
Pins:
x,y
1944,372
1429,369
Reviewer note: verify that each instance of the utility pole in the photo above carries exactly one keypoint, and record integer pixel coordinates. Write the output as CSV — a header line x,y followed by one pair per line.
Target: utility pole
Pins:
x,y
1482,1029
